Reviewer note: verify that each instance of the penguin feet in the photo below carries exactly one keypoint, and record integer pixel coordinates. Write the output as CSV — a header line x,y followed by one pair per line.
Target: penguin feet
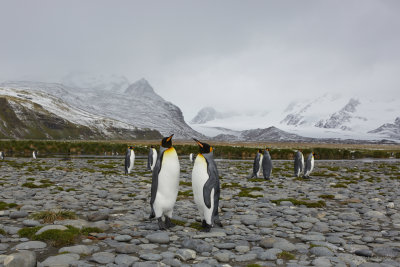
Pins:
x,y
168,222
161,224
206,227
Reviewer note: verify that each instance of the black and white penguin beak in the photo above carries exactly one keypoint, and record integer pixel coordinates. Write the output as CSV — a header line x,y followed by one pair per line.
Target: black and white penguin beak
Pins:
x,y
198,142
169,138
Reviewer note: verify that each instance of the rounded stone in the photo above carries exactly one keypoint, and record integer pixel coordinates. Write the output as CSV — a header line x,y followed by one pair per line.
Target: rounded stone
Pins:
x,y
31,245
103,257
123,238
159,238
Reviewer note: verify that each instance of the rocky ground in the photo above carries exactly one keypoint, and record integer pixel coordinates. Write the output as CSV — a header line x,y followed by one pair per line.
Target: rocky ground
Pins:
x,y
347,214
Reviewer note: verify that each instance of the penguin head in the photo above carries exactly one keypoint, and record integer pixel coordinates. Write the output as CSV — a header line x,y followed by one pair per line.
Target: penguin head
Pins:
x,y
267,149
314,154
167,141
130,147
204,147
151,146
259,151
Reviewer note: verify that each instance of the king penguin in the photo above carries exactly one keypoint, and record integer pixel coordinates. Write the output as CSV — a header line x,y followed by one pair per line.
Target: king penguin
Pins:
x,y
206,187
191,158
1,155
165,184
151,158
309,165
257,165
34,154
266,164
129,160
298,163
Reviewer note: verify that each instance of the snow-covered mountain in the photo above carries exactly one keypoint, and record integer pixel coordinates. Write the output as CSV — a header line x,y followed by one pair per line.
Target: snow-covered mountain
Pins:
x,y
326,116
102,82
209,114
137,105
391,130
39,115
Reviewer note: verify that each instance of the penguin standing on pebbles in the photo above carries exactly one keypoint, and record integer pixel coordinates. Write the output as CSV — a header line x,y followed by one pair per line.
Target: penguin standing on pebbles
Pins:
x,y
1,155
165,184
206,187
257,165
151,158
34,154
129,160
309,165
266,164
298,163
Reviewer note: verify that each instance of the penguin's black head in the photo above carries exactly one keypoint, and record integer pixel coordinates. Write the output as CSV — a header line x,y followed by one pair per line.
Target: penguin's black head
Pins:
x,y
151,146
259,151
204,148
130,147
267,149
167,142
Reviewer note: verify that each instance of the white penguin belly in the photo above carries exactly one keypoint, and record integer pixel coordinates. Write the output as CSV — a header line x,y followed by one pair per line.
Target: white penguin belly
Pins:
x,y
260,169
199,178
131,161
168,184
302,164
154,159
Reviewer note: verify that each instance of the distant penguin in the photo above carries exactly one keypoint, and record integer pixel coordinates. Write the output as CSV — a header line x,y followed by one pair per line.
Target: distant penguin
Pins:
x,y
34,154
129,160
191,158
257,164
151,158
298,163
309,165
266,164
206,186
165,184
2,155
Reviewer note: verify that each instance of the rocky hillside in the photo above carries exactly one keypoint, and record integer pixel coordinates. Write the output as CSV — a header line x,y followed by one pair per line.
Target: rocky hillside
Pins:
x,y
38,115
137,105
391,130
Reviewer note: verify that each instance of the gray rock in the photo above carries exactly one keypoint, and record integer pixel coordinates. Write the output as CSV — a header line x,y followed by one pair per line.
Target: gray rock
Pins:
x,y
123,259
269,254
212,234
103,257
349,216
197,244
375,214
3,247
321,251
31,245
60,260
267,242
246,257
123,238
159,238
386,252
30,223
18,214
150,257
242,249
51,227
364,252
322,261
98,216
22,258
225,245
172,262
78,249
186,254
320,227
222,256
284,245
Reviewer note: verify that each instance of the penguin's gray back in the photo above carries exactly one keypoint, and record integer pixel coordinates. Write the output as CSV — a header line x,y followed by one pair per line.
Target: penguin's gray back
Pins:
x,y
150,159
297,164
267,164
127,160
309,165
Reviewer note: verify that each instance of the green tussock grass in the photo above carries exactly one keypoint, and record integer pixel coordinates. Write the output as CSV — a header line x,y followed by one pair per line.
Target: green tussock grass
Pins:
x,y
2,232
284,255
185,183
70,189
297,202
51,216
6,206
196,225
258,180
248,192
105,166
87,230
230,185
178,222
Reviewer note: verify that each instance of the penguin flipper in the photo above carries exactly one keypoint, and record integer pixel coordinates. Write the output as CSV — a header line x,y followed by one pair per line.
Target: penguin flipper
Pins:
x,y
154,180
150,159
256,165
212,183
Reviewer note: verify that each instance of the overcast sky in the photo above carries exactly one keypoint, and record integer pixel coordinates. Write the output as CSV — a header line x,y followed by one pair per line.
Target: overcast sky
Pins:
x,y
226,54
